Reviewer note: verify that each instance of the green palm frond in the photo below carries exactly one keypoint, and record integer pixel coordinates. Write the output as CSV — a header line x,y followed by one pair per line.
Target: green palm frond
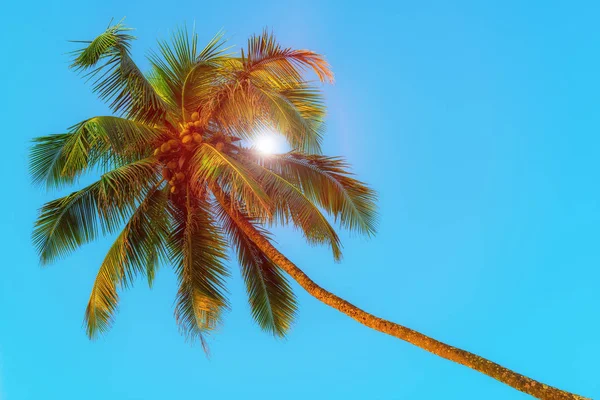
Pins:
x,y
105,142
203,83
197,249
179,64
66,223
117,79
136,251
47,160
271,299
213,166
291,205
328,182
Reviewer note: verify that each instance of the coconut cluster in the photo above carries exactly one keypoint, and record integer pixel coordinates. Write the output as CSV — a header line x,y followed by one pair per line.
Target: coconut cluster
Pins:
x,y
175,153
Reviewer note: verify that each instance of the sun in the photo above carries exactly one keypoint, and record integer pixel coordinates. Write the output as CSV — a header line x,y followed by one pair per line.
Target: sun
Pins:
x,y
269,142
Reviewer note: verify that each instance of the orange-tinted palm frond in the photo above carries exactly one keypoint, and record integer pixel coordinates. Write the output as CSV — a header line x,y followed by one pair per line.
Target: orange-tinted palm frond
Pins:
x,y
265,54
211,166
328,182
291,205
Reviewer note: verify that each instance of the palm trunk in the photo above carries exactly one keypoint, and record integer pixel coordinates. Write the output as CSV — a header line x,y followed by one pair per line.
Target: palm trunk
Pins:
x,y
496,371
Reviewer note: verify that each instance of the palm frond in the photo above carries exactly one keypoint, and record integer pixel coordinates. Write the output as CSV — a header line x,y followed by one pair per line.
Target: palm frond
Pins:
x,y
204,75
66,223
295,113
271,299
245,108
328,182
292,205
117,79
213,166
105,141
136,251
264,53
197,250
180,65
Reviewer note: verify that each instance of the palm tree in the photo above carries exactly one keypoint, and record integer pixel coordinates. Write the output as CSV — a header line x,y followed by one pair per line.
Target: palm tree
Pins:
x,y
180,184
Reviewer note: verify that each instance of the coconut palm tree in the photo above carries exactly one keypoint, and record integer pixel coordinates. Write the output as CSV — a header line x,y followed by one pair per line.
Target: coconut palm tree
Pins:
x,y
179,184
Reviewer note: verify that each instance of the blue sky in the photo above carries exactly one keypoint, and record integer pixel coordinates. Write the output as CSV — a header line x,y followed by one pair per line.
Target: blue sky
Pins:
x,y
477,123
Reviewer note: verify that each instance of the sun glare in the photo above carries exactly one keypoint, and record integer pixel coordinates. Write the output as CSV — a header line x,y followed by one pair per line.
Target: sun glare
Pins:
x,y
269,143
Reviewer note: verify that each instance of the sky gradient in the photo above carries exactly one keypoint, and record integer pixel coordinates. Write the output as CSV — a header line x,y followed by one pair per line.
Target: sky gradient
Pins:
x,y
477,123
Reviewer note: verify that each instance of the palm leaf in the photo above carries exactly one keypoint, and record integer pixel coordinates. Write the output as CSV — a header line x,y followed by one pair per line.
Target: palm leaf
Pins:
x,y
270,296
117,79
301,126
179,65
292,205
265,54
135,251
105,141
327,182
66,223
212,166
197,250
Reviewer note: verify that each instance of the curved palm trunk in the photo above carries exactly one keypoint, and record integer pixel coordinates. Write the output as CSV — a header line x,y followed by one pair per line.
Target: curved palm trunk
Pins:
x,y
496,371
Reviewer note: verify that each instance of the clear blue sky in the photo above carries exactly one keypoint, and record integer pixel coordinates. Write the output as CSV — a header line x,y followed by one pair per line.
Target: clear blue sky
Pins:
x,y
478,124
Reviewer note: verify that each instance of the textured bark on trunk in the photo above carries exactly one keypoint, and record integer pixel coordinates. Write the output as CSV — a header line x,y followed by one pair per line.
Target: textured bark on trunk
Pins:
x,y
491,369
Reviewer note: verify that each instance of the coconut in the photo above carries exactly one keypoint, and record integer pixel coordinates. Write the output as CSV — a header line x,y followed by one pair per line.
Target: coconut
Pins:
x,y
189,125
220,146
184,132
173,143
197,138
179,176
172,164
186,139
165,147
197,124
174,189
195,116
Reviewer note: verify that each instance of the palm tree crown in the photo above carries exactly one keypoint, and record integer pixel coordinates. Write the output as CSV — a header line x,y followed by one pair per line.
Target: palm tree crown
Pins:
x,y
177,173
